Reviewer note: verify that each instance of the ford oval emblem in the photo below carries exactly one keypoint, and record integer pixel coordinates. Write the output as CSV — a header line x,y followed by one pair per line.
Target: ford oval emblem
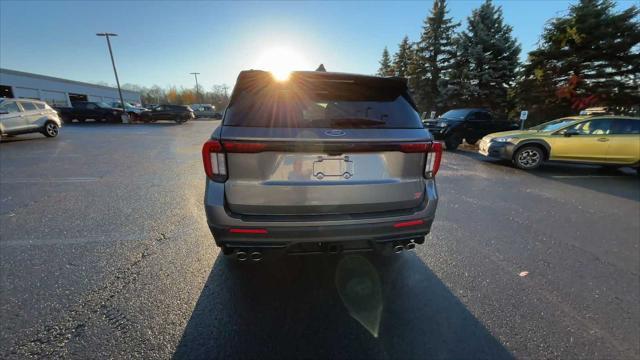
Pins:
x,y
335,132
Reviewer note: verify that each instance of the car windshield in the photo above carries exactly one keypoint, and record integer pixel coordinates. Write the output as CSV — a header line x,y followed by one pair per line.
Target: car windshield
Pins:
x,y
454,115
306,103
554,125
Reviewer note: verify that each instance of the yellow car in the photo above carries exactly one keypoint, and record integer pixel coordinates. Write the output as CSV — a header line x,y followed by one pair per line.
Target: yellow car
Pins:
x,y
606,140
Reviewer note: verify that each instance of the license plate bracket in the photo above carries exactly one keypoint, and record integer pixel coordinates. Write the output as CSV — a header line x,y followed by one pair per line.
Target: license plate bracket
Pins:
x,y
333,167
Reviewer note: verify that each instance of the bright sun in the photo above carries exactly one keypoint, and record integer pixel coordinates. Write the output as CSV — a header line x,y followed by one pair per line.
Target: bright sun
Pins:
x,y
280,61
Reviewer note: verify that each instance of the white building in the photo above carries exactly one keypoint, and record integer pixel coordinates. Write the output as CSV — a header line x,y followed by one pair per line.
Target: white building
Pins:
x,y
56,91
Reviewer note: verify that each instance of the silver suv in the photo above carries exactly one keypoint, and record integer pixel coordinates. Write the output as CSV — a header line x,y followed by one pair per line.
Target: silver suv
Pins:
x,y
21,116
320,163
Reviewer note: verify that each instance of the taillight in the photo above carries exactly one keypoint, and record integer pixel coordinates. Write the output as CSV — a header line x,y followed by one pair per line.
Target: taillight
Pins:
x,y
434,157
214,160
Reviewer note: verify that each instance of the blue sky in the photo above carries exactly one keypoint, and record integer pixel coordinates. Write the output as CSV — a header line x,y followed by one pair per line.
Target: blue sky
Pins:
x,y
162,42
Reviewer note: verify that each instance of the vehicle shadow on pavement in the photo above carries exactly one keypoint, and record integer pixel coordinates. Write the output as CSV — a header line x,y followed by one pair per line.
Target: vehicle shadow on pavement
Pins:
x,y
24,137
621,182
292,309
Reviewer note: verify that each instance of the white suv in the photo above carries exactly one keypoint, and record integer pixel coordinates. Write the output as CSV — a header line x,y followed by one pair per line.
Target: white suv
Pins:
x,y
21,116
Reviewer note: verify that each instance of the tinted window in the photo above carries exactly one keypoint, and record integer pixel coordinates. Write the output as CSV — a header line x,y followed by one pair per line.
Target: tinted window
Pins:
x,y
321,104
79,105
39,106
91,106
480,116
10,107
28,106
626,126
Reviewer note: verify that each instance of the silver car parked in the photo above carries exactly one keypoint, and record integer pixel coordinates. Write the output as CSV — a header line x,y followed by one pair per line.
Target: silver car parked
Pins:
x,y
320,163
21,116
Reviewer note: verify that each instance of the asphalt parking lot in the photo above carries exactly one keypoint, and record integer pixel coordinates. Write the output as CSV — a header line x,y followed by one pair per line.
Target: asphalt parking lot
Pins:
x,y
105,252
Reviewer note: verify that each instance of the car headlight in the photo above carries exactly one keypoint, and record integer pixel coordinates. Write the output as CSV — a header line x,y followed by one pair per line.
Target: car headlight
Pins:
x,y
503,139
441,124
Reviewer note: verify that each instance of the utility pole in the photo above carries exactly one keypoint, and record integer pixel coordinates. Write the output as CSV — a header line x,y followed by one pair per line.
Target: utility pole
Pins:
x,y
125,118
195,74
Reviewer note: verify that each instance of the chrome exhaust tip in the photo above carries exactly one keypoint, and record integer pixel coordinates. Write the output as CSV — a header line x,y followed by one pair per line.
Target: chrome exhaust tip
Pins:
x,y
241,256
256,256
410,246
398,249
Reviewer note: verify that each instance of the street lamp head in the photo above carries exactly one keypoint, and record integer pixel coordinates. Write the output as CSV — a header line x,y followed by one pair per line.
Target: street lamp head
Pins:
x,y
106,34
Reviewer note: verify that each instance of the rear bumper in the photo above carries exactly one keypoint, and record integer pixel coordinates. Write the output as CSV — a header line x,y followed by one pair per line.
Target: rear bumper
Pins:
x,y
283,231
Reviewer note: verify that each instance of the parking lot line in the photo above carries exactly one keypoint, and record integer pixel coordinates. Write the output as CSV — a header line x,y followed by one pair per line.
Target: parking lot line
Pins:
x,y
585,176
50,180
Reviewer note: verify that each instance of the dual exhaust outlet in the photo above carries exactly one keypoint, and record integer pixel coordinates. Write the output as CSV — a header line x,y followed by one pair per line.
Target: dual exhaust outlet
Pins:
x,y
398,247
256,256
253,256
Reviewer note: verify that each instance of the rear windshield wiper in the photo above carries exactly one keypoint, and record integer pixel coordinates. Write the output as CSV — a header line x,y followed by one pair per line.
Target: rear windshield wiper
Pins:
x,y
338,122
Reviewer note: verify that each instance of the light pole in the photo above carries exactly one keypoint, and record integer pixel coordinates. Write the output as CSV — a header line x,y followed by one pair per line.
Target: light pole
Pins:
x,y
124,110
195,74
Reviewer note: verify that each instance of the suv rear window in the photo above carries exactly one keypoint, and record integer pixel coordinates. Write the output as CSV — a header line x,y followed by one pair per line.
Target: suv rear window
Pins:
x,y
317,102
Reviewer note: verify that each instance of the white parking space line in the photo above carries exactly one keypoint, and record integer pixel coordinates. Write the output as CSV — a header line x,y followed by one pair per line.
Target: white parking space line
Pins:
x,y
40,156
586,176
45,180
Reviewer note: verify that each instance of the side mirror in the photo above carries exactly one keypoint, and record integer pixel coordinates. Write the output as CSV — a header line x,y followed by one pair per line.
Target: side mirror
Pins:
x,y
571,132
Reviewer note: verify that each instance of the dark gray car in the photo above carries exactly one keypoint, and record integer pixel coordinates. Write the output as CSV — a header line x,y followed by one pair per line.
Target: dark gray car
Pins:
x,y
322,162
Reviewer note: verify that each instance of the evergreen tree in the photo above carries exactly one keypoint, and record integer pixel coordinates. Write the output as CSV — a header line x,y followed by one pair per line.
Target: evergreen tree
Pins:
x,y
385,64
492,55
589,57
435,53
402,59
456,89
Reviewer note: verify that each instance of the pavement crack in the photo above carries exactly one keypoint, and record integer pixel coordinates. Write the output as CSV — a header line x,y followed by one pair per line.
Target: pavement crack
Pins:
x,y
52,339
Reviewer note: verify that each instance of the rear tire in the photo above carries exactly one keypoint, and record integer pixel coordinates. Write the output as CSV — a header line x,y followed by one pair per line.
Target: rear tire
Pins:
x,y
180,120
452,142
528,157
51,129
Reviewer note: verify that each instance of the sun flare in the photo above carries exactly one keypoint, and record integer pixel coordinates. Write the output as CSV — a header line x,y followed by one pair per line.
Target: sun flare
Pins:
x,y
281,61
